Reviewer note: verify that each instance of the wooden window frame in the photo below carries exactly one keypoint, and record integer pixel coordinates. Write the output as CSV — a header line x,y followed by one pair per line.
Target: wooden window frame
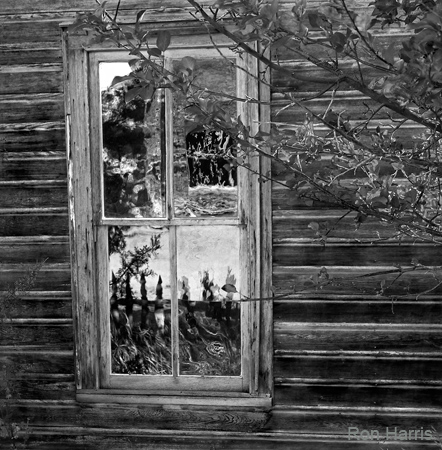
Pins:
x,y
87,238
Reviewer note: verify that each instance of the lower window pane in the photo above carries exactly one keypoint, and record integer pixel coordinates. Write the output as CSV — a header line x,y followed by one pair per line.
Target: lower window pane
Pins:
x,y
209,310
139,265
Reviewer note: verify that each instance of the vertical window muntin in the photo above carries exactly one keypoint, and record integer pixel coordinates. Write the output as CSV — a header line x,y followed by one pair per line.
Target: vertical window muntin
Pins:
x,y
172,224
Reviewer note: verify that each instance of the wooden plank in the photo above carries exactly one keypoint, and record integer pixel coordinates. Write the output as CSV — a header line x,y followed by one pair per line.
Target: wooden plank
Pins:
x,y
25,55
358,311
57,6
41,388
284,199
39,307
339,338
46,362
25,6
52,277
353,254
293,226
47,333
34,224
34,108
81,219
265,212
40,195
384,37
33,137
359,369
35,82
149,417
427,398
35,32
130,440
320,421
315,421
302,282
27,250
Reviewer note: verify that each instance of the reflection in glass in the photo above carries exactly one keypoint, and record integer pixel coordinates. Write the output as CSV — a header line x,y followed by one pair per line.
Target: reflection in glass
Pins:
x,y
209,310
139,272
204,180
133,148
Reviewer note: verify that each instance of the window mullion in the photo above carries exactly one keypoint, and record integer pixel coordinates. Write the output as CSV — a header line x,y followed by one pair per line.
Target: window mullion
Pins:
x,y
168,145
174,300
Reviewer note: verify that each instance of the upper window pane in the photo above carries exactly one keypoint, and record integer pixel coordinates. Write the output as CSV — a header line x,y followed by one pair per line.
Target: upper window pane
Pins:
x,y
133,148
204,182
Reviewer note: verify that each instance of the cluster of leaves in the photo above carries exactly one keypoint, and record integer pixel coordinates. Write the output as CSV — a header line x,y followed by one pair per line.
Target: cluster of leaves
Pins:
x,y
364,167
372,164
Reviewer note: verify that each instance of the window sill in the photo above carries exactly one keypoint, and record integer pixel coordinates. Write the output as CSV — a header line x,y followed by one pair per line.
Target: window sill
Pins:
x,y
161,398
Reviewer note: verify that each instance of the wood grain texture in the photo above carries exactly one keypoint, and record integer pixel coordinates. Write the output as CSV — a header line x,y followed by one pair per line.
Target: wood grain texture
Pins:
x,y
33,137
34,224
354,254
28,250
360,369
292,226
31,108
303,282
48,333
106,439
33,195
60,6
52,277
146,417
385,312
339,338
22,81
81,226
362,396
60,387
44,307
321,421
44,362
26,54
30,33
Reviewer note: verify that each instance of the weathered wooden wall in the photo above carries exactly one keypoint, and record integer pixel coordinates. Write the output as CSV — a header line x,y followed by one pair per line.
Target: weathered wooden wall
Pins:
x,y
342,357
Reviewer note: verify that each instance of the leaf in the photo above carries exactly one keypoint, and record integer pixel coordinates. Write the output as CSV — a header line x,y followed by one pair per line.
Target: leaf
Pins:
x,y
163,40
338,41
314,226
146,92
118,80
280,42
153,51
389,53
192,126
188,63
132,93
140,15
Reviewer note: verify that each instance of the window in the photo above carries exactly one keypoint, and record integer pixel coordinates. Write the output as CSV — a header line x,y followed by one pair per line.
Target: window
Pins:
x,y
170,242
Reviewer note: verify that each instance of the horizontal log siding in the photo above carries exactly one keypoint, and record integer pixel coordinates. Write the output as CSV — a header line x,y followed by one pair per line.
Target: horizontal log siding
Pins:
x,y
36,335
345,356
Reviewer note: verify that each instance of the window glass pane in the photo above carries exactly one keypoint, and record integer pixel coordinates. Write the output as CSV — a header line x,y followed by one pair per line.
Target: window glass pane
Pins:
x,y
204,181
139,273
133,147
209,310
